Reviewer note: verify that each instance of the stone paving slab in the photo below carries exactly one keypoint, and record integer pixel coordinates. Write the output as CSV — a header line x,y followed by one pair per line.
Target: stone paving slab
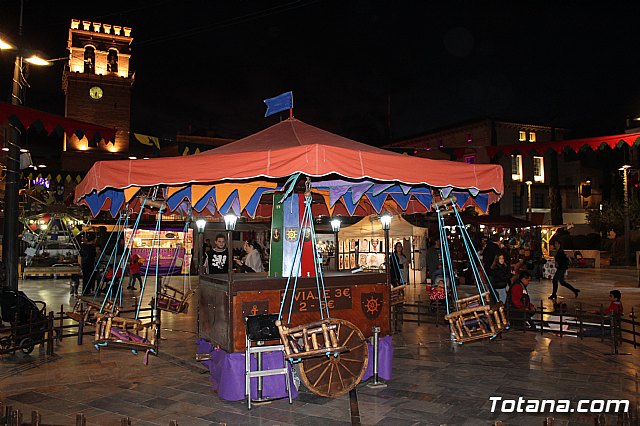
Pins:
x,y
434,382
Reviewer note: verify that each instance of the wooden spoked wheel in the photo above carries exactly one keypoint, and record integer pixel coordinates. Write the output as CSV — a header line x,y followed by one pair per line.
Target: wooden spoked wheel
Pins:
x,y
334,375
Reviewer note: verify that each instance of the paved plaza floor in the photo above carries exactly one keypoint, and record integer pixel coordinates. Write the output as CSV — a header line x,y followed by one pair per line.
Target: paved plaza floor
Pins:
x,y
434,382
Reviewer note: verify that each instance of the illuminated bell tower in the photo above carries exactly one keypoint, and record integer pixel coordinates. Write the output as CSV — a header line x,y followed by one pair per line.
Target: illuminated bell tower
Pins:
x,y
97,86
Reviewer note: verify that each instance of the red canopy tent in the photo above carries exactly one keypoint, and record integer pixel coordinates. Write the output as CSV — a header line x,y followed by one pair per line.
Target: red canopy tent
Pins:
x,y
234,175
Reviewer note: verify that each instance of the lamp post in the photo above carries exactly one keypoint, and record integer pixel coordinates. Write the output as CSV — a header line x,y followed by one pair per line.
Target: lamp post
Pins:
x,y
528,199
10,254
627,226
335,226
201,224
385,220
230,220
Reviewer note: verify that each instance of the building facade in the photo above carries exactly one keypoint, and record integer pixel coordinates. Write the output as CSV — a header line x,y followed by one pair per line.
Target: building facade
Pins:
x,y
528,176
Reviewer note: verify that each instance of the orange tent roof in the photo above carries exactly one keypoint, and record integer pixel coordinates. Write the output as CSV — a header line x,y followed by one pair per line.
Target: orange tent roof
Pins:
x,y
284,149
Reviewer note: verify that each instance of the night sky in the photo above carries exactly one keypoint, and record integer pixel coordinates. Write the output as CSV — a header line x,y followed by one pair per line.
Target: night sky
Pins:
x,y
374,71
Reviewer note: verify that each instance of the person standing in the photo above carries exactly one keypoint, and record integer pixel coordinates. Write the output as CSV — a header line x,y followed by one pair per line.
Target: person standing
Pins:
x,y
434,261
217,259
88,251
490,253
399,264
500,277
134,272
562,264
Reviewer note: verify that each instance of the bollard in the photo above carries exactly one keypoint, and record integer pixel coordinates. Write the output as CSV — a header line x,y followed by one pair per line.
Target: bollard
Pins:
x,y
376,382
80,330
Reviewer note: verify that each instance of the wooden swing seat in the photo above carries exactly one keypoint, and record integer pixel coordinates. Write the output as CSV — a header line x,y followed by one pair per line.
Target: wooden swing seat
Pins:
x,y
173,300
397,295
318,338
86,309
124,333
475,321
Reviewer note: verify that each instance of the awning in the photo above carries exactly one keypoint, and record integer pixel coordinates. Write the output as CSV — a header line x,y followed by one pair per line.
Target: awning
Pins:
x,y
540,148
51,122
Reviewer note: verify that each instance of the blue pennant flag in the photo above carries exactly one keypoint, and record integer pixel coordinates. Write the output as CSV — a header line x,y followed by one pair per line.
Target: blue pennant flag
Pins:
x,y
279,103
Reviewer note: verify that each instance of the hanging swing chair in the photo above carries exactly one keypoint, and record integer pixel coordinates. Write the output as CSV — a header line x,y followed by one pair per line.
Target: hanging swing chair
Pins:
x,y
171,299
474,317
115,332
333,352
87,306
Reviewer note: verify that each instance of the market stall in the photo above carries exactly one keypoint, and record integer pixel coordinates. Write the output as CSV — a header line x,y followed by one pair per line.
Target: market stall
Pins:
x,y
288,172
361,245
172,247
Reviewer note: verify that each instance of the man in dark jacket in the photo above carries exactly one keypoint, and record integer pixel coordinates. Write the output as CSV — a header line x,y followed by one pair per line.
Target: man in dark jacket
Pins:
x,y
489,254
562,264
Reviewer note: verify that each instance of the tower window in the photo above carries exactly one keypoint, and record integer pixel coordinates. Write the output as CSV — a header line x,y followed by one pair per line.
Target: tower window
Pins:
x,y
112,61
523,136
516,168
89,60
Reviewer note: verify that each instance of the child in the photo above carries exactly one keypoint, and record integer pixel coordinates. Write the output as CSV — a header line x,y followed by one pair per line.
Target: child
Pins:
x,y
134,272
615,305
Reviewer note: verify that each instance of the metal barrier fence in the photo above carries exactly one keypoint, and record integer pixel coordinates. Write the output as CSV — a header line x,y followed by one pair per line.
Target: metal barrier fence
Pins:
x,y
24,337
580,321
13,417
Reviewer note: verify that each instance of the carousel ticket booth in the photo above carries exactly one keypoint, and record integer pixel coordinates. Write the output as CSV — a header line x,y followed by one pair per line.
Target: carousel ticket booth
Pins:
x,y
293,173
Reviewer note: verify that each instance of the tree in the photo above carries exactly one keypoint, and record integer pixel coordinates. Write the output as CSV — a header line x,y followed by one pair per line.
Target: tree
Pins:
x,y
612,217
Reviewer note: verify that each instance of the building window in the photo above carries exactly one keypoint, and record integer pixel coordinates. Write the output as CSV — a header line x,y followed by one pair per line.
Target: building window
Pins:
x,y
516,168
523,136
112,61
538,200
470,159
89,60
538,169
469,138
517,203
532,136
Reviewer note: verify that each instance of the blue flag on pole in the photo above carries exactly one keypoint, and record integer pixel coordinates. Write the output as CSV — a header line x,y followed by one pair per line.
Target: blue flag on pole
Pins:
x,y
279,103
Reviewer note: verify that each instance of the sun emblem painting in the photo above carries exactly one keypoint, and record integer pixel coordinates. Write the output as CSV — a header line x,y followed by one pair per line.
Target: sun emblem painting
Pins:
x,y
291,234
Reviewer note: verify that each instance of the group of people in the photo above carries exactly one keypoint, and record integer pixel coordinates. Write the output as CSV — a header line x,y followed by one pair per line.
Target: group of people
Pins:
x,y
217,256
89,253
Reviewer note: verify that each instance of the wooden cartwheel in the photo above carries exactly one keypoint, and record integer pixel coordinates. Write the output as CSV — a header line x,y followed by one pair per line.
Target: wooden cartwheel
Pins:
x,y
333,354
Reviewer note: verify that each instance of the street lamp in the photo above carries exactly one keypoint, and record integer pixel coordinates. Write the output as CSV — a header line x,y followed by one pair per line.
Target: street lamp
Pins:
x,y
10,234
201,224
627,226
385,221
335,226
528,199
230,220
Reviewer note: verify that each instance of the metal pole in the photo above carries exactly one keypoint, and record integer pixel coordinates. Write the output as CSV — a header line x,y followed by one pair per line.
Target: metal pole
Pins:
x,y
335,250
200,252
386,256
376,382
627,226
10,231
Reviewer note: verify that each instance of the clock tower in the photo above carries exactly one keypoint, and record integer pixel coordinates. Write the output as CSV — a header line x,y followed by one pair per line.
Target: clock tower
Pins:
x,y
97,86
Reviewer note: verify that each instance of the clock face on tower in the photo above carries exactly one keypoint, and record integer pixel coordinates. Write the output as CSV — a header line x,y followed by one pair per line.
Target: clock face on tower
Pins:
x,y
96,92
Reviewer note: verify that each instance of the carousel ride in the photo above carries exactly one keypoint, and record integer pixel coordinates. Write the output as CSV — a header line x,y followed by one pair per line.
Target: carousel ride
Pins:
x,y
331,176
474,317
